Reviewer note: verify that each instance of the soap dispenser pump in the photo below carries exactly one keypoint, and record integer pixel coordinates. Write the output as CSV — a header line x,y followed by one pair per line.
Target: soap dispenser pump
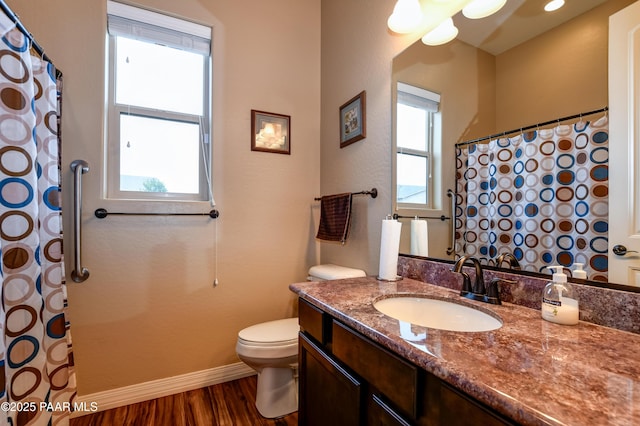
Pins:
x,y
559,303
579,272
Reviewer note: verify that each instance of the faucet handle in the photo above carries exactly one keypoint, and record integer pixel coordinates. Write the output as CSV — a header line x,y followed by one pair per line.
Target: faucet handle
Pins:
x,y
493,290
466,284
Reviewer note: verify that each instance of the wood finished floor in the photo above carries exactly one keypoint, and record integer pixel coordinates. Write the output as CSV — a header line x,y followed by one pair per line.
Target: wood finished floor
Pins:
x,y
226,404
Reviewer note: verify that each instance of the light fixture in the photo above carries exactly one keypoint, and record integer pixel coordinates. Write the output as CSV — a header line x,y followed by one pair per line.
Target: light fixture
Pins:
x,y
553,5
443,33
406,16
482,8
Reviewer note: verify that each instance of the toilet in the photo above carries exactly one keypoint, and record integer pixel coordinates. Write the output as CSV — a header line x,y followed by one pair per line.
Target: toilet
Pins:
x,y
271,349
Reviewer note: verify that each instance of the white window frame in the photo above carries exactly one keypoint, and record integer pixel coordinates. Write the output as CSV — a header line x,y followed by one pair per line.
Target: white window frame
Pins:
x,y
430,102
145,25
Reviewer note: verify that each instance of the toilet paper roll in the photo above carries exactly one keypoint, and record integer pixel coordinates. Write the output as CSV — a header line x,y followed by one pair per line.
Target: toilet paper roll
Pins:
x,y
389,247
419,238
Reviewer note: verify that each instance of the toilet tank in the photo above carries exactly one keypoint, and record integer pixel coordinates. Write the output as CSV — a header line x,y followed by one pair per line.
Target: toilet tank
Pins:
x,y
333,272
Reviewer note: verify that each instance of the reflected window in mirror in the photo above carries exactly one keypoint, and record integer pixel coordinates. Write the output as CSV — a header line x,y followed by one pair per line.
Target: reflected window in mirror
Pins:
x,y
418,147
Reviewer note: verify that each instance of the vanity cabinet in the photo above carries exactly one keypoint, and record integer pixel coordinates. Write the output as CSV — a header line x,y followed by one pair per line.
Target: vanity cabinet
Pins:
x,y
347,379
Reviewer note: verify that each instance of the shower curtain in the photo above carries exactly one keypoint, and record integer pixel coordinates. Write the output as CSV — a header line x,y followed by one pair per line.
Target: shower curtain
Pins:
x,y
38,380
540,195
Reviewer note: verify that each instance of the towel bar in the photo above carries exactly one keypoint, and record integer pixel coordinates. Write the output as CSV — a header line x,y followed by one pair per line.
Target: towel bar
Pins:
x,y
102,213
373,193
442,217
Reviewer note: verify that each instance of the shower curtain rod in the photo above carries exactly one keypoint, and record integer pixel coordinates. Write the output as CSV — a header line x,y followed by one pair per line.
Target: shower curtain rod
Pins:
x,y
34,44
522,129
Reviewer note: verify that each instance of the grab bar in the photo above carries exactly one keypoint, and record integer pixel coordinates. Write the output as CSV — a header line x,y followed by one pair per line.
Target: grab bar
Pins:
x,y
78,167
452,248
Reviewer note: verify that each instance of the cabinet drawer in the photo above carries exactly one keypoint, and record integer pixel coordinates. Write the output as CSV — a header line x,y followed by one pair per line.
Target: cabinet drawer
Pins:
x,y
457,409
380,414
395,378
310,319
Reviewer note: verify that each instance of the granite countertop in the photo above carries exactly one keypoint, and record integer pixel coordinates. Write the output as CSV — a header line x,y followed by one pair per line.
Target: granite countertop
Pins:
x,y
531,370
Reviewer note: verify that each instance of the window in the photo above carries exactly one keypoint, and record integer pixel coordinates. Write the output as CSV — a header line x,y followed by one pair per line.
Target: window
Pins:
x,y
158,114
417,147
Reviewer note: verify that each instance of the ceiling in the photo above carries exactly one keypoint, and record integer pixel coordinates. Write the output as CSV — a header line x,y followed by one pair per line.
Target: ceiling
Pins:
x,y
517,22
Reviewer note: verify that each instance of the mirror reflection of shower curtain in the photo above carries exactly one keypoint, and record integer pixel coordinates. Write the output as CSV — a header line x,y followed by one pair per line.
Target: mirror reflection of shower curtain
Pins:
x,y
541,195
37,367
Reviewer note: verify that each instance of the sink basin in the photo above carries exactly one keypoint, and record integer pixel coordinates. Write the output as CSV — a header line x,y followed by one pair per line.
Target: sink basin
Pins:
x,y
437,313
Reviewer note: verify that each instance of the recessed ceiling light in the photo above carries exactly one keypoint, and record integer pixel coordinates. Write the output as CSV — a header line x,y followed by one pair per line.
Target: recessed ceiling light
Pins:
x,y
553,5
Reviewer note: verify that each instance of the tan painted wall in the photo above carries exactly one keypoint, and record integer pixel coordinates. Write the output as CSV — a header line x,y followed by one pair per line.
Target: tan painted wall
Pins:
x,y
149,309
357,50
560,73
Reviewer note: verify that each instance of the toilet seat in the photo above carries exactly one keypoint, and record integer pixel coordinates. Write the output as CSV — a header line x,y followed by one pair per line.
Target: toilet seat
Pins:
x,y
284,330
273,339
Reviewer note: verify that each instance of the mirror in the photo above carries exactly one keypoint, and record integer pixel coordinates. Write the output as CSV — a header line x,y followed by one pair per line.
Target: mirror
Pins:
x,y
511,70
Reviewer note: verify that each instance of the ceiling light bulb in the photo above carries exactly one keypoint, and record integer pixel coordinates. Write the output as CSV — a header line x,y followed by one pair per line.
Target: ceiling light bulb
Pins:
x,y
406,16
443,33
482,8
553,5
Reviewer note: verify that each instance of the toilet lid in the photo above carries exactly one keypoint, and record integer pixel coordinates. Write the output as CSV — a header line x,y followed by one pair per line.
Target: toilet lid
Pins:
x,y
271,332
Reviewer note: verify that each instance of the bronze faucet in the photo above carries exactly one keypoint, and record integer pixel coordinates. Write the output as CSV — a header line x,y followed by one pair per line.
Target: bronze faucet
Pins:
x,y
513,262
477,291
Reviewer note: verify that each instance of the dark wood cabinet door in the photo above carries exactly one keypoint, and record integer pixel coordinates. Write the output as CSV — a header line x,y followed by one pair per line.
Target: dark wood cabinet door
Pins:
x,y
329,395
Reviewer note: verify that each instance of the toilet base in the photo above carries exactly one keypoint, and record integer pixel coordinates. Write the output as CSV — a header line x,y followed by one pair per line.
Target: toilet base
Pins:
x,y
277,393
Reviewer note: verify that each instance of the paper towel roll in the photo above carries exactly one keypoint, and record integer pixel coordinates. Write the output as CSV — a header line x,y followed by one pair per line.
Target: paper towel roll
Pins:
x,y
389,247
419,237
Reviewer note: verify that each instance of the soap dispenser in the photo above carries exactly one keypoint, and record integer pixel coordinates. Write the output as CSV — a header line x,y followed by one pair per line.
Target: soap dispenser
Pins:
x,y
559,303
579,272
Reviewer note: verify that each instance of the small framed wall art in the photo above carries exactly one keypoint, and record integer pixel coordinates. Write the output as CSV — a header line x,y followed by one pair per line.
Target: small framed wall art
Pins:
x,y
270,132
353,120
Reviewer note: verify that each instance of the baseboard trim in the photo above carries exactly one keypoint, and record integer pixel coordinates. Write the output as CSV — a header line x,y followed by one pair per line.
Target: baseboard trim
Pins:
x,y
162,387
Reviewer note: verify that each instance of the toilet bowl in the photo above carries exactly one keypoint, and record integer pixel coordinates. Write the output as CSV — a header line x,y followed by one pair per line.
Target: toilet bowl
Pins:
x,y
271,349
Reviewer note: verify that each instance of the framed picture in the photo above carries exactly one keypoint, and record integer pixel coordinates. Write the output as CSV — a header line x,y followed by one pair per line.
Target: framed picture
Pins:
x,y
353,120
270,132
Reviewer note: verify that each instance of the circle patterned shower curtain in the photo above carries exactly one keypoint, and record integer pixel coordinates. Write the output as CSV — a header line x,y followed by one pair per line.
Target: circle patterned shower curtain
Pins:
x,y
540,195
38,381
